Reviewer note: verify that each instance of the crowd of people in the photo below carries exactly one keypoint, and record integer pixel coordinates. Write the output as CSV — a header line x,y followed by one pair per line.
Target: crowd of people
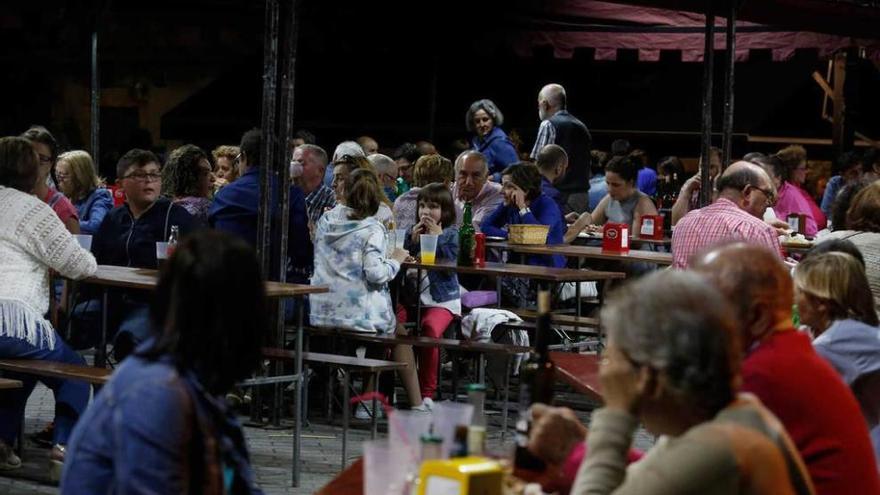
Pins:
x,y
747,395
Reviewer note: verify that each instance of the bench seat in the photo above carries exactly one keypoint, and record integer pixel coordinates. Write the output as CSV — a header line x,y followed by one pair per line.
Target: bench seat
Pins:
x,y
90,374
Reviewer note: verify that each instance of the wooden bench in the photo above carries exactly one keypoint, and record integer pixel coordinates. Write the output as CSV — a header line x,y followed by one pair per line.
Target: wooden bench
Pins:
x,y
581,371
54,369
461,345
558,318
347,365
8,384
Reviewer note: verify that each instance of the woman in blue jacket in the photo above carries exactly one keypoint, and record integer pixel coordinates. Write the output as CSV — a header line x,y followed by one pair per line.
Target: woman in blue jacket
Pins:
x,y
79,181
484,119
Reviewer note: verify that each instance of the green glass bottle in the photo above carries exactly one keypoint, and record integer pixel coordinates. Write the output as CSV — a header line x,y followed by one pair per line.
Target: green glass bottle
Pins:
x,y
466,237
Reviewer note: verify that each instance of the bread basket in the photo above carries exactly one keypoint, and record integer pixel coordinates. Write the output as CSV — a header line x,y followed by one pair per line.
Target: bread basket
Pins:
x,y
527,234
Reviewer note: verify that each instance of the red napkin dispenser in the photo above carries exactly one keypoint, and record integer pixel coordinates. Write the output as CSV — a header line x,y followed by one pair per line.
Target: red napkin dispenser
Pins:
x,y
615,237
118,195
652,227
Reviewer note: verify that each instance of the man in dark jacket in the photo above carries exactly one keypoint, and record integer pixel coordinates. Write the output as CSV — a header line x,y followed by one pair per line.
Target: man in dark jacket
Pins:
x,y
562,128
128,237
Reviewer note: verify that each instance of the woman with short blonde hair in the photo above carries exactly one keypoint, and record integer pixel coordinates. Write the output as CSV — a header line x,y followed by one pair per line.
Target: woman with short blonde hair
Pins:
x,y
79,181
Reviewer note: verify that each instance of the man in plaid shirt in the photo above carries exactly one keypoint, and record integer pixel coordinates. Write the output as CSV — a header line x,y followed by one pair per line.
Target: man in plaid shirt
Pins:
x,y
744,192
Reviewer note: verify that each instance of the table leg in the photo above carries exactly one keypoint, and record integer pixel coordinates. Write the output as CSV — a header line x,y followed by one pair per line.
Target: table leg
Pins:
x,y
298,395
498,292
101,355
504,409
345,417
374,421
419,300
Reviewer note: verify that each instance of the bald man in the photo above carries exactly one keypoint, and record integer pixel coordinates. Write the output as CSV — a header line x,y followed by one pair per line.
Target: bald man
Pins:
x,y
744,192
781,368
562,128
368,144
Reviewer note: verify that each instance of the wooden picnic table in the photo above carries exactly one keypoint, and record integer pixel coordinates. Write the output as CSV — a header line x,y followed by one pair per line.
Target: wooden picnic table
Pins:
x,y
594,252
535,272
666,241
581,371
97,376
8,384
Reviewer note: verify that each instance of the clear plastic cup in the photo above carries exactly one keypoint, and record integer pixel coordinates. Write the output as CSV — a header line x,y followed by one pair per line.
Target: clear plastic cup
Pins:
x,y
405,430
380,474
84,240
399,238
161,250
448,415
429,248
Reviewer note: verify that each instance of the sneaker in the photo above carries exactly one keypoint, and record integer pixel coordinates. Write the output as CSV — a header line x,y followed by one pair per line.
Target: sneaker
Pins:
x,y
56,462
44,437
363,412
8,459
426,406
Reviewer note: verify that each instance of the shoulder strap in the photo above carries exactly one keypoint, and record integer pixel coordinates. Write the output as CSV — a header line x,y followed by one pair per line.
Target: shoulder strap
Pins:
x,y
167,218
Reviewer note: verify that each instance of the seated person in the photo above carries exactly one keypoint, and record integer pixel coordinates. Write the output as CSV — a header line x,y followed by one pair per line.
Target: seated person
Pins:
x,y
524,203
188,179
344,166
472,185
350,259
689,197
624,203
789,199
834,301
552,162
428,169
236,206
672,364
128,237
32,241
849,170
79,181
160,424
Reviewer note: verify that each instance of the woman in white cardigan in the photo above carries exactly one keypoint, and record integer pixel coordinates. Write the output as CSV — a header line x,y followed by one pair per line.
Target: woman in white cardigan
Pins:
x,y
32,241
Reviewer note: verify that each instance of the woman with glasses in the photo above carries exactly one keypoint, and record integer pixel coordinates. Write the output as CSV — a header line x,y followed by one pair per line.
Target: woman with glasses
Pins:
x,y
46,147
788,199
78,180
794,158
189,180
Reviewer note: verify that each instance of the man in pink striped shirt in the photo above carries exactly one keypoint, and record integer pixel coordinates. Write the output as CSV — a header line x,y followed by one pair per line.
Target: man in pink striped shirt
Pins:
x,y
744,192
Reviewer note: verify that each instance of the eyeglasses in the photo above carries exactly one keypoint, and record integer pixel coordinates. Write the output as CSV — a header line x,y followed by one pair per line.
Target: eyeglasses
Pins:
x,y
61,177
144,177
237,159
770,194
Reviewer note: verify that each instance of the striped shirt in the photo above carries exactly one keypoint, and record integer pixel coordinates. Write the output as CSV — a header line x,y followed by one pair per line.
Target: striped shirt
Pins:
x,y
720,222
546,135
318,201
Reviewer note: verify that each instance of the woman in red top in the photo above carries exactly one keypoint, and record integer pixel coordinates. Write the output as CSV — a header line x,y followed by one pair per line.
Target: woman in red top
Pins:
x,y
46,148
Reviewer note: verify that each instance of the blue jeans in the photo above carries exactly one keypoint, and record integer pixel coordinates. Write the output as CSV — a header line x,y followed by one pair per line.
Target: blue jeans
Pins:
x,y
128,324
71,397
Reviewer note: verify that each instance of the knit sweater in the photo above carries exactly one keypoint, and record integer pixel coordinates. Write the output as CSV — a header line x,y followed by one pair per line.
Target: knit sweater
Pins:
x,y
33,240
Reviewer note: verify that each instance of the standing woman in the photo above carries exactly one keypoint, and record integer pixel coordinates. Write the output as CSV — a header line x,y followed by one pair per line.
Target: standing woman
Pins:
x,y
484,119
189,179
160,425
624,203
46,146
79,181
32,241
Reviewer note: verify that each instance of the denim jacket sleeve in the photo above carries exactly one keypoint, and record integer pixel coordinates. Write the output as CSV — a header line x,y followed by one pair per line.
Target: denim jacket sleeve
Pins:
x,y
444,285
95,209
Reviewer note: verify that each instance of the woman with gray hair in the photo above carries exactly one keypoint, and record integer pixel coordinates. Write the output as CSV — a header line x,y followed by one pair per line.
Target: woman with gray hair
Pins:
x,y
484,119
672,363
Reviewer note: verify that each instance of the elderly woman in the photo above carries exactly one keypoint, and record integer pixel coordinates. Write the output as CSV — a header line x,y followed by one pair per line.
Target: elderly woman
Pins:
x,y
624,203
794,158
863,229
484,119
834,301
32,241
189,179
79,181
160,425
672,363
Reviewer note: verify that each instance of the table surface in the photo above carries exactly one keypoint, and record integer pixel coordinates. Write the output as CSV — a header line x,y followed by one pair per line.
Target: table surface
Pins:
x,y
595,252
7,383
666,241
527,271
581,371
145,278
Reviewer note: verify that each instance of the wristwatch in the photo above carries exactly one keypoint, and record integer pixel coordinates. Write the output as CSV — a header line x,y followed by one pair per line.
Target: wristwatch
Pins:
x,y
524,211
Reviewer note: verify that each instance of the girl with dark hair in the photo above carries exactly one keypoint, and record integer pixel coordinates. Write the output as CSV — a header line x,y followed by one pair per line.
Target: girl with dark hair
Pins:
x,y
46,148
624,203
160,425
32,241
188,179
484,119
439,291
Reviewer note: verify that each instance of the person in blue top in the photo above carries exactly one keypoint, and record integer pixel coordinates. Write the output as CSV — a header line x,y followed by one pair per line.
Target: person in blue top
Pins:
x,y
160,425
235,209
524,203
78,180
849,171
484,119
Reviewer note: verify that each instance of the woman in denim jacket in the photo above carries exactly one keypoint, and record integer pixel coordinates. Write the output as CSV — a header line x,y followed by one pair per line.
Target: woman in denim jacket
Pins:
x,y
438,290
160,425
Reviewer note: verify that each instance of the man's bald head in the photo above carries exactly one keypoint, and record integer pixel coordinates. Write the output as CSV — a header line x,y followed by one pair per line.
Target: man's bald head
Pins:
x,y
755,280
551,99
747,185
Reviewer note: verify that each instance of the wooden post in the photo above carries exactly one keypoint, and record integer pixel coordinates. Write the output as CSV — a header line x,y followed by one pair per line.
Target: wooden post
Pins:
x,y
838,103
708,72
95,103
727,132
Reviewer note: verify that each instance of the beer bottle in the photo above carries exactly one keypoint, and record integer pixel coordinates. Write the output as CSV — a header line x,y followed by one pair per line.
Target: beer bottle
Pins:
x,y
466,237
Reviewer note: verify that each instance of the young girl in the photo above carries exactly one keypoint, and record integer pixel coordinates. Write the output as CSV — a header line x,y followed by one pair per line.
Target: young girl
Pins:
x,y
439,291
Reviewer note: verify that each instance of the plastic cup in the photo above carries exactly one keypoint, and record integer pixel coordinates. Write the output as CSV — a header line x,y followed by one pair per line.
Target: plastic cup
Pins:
x,y
161,250
399,238
84,240
379,473
405,430
429,248
448,415
360,352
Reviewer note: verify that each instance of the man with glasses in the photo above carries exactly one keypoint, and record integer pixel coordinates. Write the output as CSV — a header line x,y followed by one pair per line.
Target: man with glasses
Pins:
x,y
744,192
128,237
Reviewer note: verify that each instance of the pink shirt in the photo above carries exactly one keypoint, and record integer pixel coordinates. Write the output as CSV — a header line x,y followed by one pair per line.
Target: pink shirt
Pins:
x,y
61,205
486,201
720,222
790,201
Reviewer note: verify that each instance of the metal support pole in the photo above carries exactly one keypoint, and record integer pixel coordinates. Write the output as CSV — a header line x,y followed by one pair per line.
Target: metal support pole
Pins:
x,y
708,72
95,102
729,78
270,75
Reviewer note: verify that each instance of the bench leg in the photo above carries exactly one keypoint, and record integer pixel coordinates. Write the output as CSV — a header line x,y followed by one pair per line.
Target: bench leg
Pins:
x,y
481,368
504,409
331,374
374,421
346,412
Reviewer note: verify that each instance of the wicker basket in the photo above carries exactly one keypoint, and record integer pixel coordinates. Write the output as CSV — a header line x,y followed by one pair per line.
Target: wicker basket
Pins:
x,y
527,234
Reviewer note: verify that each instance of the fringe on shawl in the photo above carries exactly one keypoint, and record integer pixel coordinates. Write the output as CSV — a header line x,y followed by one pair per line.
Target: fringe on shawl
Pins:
x,y
19,321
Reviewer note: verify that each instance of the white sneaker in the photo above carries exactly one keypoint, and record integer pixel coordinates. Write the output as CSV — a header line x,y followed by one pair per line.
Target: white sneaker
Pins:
x,y
8,459
427,405
364,412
